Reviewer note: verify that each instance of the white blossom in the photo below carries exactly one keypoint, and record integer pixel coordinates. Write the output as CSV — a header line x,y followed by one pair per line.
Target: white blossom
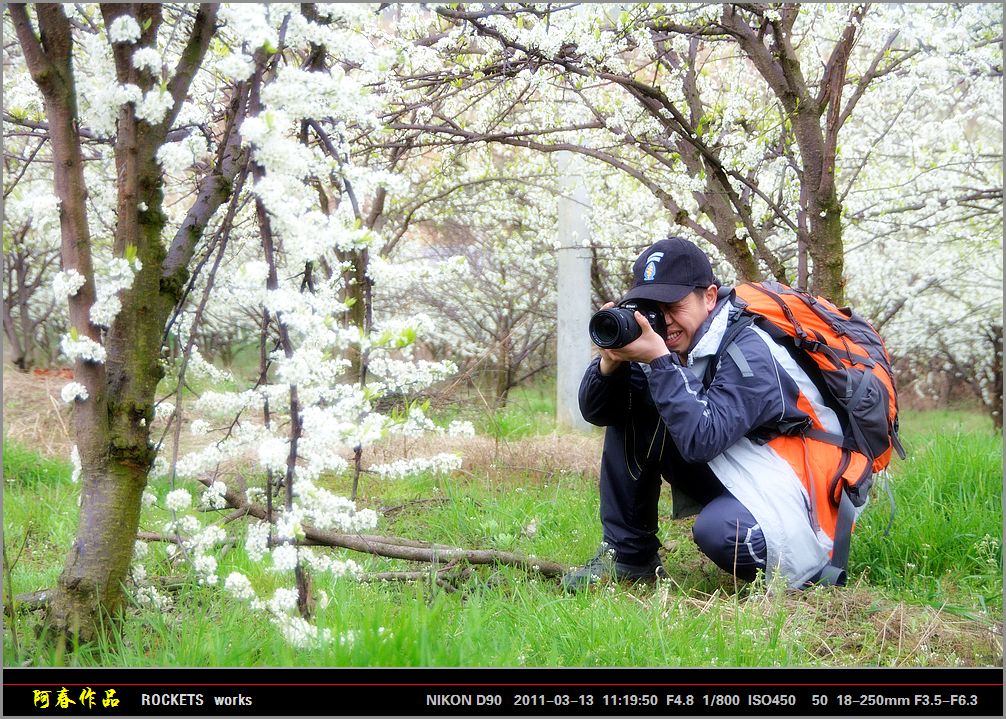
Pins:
x,y
67,283
236,66
438,464
82,348
206,566
300,633
147,58
239,586
213,496
178,500
105,310
199,427
148,596
283,600
154,106
256,541
124,29
284,557
140,550
205,539
273,453
73,391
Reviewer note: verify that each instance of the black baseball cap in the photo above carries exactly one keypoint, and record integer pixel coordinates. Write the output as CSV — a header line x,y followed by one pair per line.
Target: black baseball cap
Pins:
x,y
668,270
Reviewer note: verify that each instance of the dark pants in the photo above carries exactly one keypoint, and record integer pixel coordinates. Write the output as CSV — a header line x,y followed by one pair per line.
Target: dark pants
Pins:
x,y
724,530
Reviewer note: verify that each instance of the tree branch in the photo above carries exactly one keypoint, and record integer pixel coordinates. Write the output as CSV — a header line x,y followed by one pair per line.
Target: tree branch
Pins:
x,y
192,57
397,548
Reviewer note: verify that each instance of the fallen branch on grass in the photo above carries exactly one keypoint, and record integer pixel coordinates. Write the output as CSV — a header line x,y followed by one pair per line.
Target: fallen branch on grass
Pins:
x,y
399,547
446,577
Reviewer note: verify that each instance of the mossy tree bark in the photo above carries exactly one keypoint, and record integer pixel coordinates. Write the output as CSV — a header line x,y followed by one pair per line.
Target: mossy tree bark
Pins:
x,y
112,426
816,119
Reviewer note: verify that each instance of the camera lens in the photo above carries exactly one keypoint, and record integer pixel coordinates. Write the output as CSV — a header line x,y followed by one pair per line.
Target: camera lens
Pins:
x,y
613,328
604,329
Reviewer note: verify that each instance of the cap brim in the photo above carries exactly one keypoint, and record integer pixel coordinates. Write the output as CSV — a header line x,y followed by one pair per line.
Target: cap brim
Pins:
x,y
658,292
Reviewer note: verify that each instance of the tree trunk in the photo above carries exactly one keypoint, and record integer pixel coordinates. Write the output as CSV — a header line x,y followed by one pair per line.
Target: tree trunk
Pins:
x,y
98,563
995,402
112,425
771,51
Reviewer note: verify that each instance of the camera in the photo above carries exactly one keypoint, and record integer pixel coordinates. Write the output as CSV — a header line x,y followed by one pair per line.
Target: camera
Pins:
x,y
616,326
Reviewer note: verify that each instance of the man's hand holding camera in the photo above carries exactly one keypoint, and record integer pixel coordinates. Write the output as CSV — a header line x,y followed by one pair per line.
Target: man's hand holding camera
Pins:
x,y
645,348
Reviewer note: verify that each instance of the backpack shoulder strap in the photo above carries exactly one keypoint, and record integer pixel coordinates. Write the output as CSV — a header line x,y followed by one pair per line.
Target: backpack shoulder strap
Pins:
x,y
728,346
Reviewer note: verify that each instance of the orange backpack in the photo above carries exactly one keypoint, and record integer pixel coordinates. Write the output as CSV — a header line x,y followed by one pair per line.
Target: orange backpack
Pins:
x,y
847,360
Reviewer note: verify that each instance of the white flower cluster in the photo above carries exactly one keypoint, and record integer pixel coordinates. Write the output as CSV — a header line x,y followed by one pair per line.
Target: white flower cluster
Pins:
x,y
300,633
140,550
345,422
67,283
415,424
177,157
288,524
244,439
205,539
73,391
236,66
322,563
117,274
124,29
104,311
443,463
284,558
283,600
198,367
82,348
460,428
148,596
199,427
213,496
239,586
252,22
273,453
326,510
399,376
155,105
178,500
163,410
206,567
257,541
147,58
224,404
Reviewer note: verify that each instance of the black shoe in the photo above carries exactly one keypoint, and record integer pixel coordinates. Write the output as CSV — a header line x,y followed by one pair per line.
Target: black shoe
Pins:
x,y
605,566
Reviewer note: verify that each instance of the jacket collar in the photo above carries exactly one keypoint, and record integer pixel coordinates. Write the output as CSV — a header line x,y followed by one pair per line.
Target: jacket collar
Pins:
x,y
711,332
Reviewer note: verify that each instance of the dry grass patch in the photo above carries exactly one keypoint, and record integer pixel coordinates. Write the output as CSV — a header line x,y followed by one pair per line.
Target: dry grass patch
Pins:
x,y
34,415
528,458
851,626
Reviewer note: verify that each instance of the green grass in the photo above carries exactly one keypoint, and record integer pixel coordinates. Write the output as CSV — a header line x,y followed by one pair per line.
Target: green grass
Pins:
x,y
529,411
937,574
945,542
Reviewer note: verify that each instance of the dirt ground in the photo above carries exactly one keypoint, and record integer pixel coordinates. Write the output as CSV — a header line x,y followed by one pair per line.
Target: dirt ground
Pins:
x,y
34,415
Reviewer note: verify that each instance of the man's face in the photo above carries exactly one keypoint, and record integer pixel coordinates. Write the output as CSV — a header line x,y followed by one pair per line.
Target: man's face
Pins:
x,y
685,316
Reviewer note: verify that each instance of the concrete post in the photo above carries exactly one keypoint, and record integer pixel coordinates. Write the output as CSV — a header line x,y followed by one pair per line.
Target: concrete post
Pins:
x,y
573,305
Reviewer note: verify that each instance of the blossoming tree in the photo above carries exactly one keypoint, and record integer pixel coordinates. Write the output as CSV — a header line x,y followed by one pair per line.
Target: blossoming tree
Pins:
x,y
280,172
115,338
